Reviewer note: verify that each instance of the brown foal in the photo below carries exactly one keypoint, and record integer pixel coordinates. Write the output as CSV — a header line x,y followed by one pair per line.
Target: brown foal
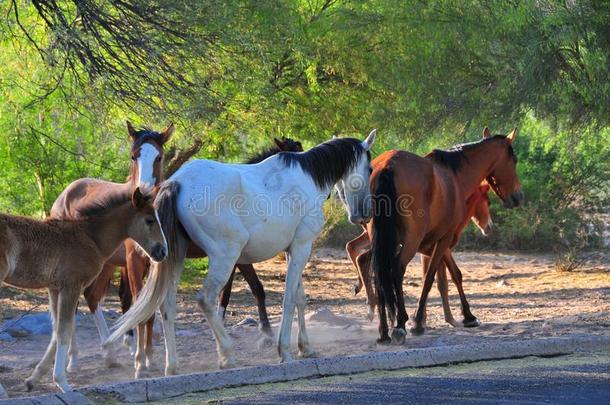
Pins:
x,y
64,256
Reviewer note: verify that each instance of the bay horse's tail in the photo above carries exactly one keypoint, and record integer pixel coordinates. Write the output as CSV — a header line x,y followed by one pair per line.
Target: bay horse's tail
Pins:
x,y
161,274
384,243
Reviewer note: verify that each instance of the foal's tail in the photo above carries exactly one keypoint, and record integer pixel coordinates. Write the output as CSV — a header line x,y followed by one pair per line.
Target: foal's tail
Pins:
x,y
384,243
161,274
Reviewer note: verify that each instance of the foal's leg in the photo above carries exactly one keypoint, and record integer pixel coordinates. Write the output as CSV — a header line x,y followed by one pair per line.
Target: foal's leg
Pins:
x,y
247,270
353,249
469,319
399,333
364,269
45,363
298,255
126,301
225,296
64,328
437,256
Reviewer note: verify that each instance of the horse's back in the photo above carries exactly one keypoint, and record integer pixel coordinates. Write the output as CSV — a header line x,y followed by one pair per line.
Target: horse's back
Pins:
x,y
79,194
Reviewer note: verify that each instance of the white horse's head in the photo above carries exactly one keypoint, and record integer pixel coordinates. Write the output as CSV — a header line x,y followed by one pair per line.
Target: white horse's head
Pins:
x,y
353,188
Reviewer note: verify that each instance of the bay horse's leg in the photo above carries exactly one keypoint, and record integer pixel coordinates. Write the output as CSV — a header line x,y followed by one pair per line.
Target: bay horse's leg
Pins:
x,y
247,270
363,266
44,365
353,248
225,296
298,255
126,301
64,328
443,289
437,256
136,267
470,320
219,270
399,333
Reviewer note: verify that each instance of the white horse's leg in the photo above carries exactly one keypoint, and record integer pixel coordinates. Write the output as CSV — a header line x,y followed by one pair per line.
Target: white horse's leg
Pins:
x,y
109,352
297,258
44,365
305,349
168,319
68,300
220,268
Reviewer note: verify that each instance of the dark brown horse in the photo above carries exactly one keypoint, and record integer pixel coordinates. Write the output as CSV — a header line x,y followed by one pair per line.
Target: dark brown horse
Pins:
x,y
478,212
420,204
137,266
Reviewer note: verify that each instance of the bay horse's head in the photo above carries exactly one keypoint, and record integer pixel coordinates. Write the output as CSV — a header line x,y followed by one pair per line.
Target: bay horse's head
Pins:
x,y
145,227
503,177
147,156
353,189
481,215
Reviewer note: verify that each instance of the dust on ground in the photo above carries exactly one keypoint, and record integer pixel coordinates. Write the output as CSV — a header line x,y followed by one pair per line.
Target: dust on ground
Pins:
x,y
513,295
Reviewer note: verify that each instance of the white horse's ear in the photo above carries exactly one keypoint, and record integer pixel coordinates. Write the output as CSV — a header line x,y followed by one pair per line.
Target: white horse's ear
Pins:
x,y
370,140
131,130
486,133
511,137
334,136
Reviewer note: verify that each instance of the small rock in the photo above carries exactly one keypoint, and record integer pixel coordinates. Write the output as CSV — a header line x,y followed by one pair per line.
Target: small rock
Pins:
x,y
502,283
187,333
495,266
247,322
534,261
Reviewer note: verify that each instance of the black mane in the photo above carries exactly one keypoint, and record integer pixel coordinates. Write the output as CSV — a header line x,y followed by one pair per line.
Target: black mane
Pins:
x,y
144,135
455,157
328,162
259,157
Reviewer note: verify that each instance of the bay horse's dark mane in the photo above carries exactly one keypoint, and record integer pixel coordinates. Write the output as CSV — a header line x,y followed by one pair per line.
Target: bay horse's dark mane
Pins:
x,y
144,135
259,157
328,162
455,157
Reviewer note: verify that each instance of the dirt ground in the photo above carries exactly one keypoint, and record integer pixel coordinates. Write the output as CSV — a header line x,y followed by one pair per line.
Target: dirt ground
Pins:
x,y
513,295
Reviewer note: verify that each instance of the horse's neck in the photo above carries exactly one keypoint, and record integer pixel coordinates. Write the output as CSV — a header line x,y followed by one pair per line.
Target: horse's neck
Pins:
x,y
478,165
108,230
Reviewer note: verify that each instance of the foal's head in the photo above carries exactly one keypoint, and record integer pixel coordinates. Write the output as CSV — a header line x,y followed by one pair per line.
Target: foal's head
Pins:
x,y
353,188
481,214
147,155
503,177
145,228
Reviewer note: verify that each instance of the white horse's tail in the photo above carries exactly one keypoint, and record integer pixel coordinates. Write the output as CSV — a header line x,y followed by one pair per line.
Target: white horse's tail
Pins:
x,y
161,274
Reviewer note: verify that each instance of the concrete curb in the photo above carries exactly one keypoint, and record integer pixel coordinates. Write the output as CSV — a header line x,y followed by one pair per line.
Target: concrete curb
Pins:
x,y
155,389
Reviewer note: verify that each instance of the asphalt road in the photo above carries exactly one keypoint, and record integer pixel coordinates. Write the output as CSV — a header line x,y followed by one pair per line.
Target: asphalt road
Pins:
x,y
575,379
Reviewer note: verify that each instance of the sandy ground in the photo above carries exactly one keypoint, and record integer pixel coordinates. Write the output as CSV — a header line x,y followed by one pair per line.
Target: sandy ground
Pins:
x,y
513,295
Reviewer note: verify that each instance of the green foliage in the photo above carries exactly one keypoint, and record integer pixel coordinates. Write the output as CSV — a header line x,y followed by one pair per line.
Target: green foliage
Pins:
x,y
232,75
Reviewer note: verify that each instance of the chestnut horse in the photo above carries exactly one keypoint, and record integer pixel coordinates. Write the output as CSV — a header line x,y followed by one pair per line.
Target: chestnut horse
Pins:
x,y
146,172
65,256
358,250
420,204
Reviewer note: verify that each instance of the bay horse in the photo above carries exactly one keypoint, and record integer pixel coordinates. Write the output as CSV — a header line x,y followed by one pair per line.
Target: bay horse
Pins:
x,y
64,256
358,250
247,214
137,267
146,172
419,205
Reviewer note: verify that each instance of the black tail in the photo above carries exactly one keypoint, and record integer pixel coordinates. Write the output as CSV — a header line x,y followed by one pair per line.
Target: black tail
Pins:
x,y
384,244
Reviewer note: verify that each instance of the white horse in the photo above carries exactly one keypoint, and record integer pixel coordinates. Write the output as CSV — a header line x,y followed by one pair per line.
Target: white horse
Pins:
x,y
248,214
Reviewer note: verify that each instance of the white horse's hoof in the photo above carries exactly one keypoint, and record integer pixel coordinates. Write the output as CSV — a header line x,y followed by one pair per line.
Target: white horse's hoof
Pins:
x,y
130,343
63,386
30,382
264,342
370,314
171,371
286,358
73,365
228,362
307,353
